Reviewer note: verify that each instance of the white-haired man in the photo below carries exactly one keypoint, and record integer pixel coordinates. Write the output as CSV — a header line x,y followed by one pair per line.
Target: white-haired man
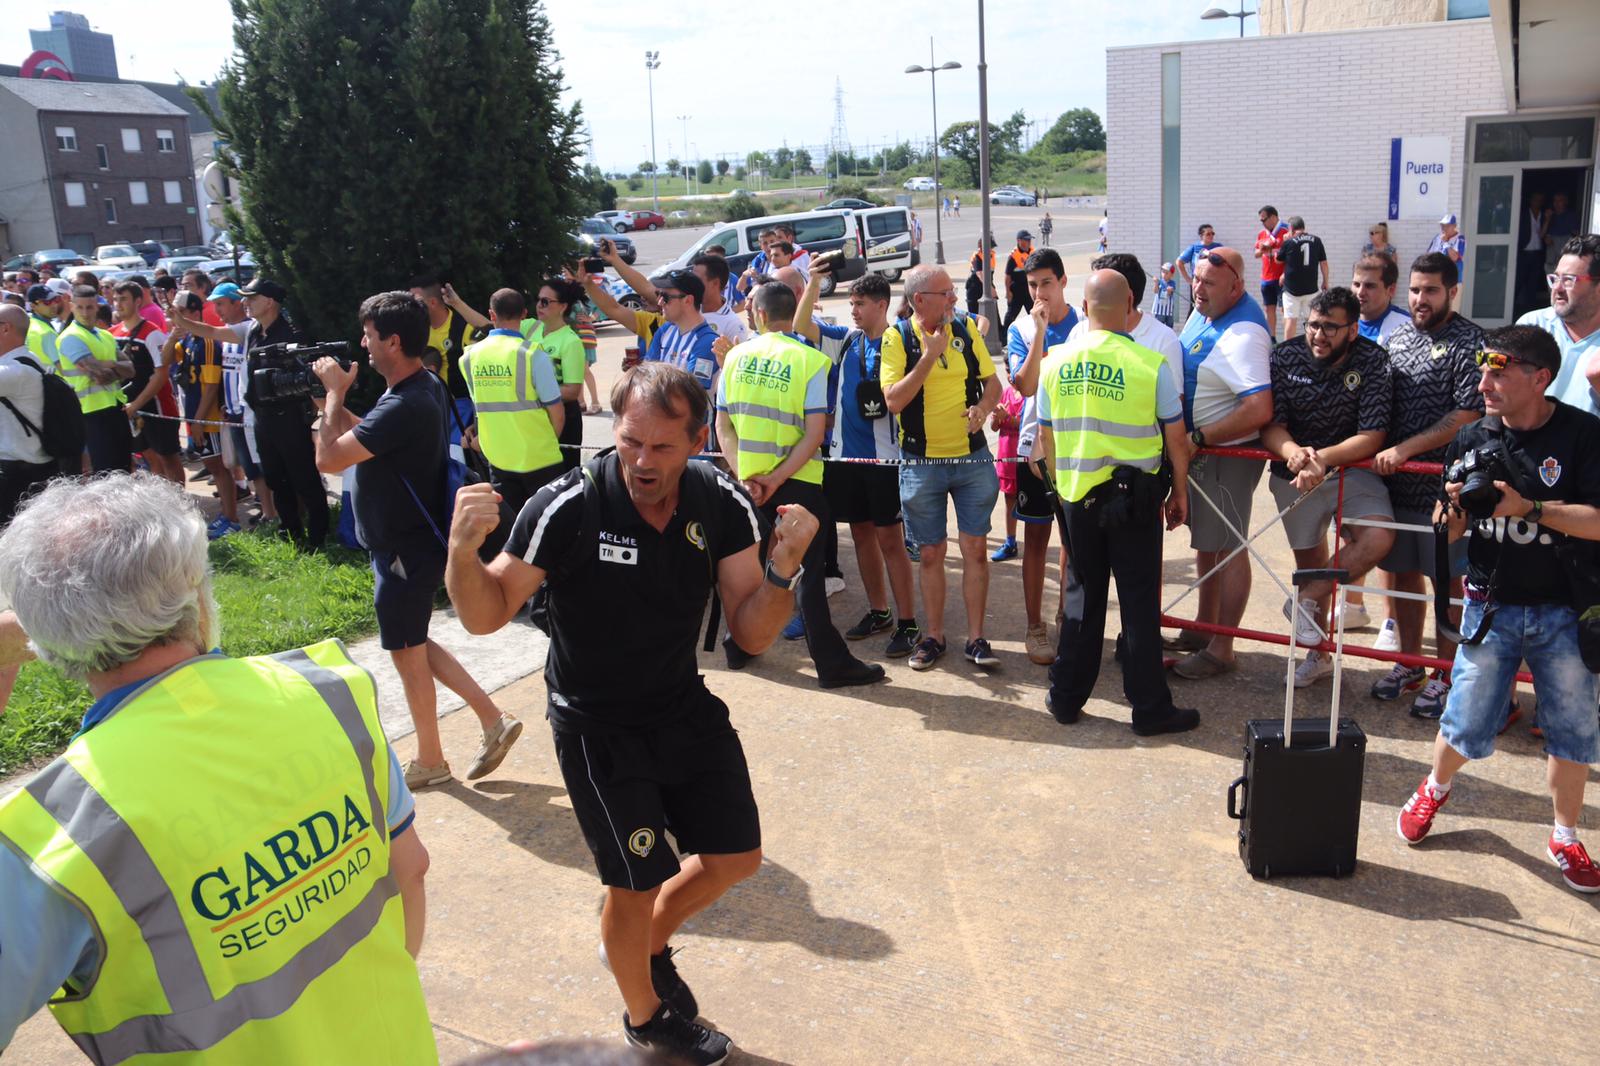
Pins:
x,y
222,863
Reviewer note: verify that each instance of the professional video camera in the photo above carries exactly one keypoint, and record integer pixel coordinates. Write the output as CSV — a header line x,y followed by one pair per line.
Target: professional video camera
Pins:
x,y
1477,471
283,371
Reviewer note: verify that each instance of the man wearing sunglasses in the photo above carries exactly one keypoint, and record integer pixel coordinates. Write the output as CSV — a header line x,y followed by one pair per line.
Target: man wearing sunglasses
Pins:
x,y
1519,590
1573,319
1227,398
1435,395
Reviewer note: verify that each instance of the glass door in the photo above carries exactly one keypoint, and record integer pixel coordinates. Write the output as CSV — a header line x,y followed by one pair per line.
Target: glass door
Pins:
x,y
1491,227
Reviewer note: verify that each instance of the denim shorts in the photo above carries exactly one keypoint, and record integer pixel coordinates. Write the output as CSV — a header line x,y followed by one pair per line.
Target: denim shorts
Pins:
x,y
972,484
1547,637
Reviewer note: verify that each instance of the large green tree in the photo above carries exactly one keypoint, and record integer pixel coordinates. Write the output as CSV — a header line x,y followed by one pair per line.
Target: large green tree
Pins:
x,y
1077,130
960,140
378,139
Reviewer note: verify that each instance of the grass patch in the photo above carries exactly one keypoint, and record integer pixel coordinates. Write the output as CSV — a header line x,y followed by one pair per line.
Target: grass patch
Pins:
x,y
271,598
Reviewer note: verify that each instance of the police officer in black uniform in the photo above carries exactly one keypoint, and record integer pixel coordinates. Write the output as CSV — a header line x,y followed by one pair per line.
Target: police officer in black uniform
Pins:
x,y
633,544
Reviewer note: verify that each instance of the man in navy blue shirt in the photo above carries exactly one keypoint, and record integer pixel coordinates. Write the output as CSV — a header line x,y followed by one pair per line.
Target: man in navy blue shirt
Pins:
x,y
398,491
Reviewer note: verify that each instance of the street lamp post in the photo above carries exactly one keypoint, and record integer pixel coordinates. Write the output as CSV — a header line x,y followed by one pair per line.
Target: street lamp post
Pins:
x,y
652,60
987,306
685,120
1213,13
931,70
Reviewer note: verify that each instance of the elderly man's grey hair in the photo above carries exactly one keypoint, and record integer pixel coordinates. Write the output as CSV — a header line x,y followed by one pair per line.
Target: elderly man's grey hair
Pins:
x,y
921,278
100,570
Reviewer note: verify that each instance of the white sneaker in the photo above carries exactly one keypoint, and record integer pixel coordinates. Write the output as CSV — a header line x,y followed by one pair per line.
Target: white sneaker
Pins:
x,y
1388,636
1355,616
834,585
1306,632
1312,669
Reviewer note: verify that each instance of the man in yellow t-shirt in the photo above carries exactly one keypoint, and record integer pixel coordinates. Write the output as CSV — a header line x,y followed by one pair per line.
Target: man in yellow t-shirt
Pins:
x,y
939,381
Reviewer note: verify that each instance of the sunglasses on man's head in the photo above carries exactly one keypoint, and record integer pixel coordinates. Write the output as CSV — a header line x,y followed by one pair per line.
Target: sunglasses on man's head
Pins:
x,y
1220,261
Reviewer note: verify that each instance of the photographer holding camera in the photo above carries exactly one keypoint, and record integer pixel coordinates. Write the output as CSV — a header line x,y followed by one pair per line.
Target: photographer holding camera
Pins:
x,y
1522,487
282,425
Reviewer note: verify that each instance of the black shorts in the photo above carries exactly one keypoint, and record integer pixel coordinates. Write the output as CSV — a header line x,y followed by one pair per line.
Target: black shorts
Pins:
x,y
1035,500
631,787
158,435
859,492
405,586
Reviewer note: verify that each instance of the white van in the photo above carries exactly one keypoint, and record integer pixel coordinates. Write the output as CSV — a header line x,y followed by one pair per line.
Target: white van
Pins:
x,y
815,231
886,236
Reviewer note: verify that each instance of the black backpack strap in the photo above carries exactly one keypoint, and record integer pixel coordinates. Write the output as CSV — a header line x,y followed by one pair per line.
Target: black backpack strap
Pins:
x,y
589,528
27,427
702,480
912,342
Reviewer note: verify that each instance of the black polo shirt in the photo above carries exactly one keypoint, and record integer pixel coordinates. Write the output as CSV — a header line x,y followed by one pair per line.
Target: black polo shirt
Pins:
x,y
626,618
1434,374
1323,402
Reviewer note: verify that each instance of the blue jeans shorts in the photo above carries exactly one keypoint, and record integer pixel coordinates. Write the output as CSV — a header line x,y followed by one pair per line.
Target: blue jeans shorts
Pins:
x,y
972,484
1547,637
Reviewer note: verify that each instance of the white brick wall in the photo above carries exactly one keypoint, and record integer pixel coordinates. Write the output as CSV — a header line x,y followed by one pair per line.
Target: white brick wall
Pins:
x,y
1302,122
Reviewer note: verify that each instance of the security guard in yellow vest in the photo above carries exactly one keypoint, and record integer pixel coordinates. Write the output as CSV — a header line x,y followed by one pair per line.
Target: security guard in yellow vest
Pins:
x,y
517,396
89,360
42,326
221,867
772,407
1106,406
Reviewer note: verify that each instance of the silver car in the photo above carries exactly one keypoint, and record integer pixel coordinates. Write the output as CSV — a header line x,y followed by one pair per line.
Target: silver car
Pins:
x,y
1013,198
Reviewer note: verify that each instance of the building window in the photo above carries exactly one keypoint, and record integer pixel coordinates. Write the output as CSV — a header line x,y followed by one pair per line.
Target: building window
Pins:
x,y
74,191
1171,154
67,138
103,156
138,192
130,140
165,142
111,211
173,191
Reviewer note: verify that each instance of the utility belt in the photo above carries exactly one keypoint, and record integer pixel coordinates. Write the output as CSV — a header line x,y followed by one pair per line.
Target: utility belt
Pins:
x,y
1131,498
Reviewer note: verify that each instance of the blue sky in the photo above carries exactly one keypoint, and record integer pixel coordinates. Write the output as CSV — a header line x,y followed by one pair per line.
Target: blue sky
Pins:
x,y
748,78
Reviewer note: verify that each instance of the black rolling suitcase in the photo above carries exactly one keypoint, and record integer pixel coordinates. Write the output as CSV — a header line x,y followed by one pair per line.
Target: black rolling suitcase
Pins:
x,y
1298,802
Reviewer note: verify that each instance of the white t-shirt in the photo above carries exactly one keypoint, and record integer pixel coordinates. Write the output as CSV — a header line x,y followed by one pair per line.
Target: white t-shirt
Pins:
x,y
1154,334
724,323
1237,365
24,387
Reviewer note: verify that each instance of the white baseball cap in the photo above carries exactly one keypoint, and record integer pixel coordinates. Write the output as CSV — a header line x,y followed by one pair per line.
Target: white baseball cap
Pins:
x,y
1448,220
59,286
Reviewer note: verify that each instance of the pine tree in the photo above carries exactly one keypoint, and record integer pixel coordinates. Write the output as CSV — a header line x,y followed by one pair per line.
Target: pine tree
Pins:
x,y
379,139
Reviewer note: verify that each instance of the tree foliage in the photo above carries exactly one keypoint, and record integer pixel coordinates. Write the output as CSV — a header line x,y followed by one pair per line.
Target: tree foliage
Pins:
x,y
375,139
702,172
735,208
960,140
722,168
1078,130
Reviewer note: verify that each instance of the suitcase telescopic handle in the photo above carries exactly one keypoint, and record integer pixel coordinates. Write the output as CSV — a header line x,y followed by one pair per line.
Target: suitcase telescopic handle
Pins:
x,y
1235,809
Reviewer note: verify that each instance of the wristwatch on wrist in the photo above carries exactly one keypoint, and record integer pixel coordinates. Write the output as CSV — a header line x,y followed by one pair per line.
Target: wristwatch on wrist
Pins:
x,y
1199,438
788,584
1534,513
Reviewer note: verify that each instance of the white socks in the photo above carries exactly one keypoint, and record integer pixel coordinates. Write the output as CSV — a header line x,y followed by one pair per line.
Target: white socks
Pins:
x,y
1439,791
1565,834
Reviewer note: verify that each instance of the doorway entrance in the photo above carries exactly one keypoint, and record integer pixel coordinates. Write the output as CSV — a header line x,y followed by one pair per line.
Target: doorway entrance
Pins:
x,y
1529,186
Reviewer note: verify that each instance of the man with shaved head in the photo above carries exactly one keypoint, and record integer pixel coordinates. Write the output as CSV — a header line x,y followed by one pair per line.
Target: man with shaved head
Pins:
x,y
1227,398
24,465
1108,409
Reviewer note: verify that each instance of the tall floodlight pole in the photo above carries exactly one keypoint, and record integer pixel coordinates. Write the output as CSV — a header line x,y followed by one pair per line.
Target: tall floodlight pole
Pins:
x,y
685,120
987,306
931,70
652,60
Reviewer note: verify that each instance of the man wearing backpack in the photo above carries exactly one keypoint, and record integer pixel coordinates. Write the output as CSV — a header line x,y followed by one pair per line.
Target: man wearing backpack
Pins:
x,y
397,488
24,464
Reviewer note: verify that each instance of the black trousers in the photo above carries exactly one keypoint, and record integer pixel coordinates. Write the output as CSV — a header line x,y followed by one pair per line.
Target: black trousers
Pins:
x,y
516,489
19,480
828,649
108,439
289,465
1017,304
1131,554
571,433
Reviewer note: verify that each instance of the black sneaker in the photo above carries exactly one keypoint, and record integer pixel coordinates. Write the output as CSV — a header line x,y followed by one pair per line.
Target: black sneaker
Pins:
x,y
1064,717
1177,720
904,641
737,656
978,651
670,987
679,1038
857,673
871,622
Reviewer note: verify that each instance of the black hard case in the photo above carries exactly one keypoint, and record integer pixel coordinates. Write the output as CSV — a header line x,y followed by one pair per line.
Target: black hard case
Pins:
x,y
1299,805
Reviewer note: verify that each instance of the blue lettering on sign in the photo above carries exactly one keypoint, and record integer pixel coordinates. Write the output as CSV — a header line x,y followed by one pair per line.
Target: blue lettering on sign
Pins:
x,y
1424,168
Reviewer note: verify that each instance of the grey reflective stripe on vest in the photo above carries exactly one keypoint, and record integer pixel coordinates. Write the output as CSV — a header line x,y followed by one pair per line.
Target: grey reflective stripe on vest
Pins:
x,y
761,410
200,1020
1128,430
521,403
765,447
1089,464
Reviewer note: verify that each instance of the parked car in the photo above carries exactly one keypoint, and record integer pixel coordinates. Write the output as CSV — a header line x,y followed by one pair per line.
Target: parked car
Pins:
x,y
886,240
591,230
203,251
815,231
118,257
177,264
17,262
223,269
618,219
850,202
740,192
677,216
920,185
650,220
58,258
1013,198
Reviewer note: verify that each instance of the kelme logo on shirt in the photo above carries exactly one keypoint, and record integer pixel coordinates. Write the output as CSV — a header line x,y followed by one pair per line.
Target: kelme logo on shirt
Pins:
x,y
273,887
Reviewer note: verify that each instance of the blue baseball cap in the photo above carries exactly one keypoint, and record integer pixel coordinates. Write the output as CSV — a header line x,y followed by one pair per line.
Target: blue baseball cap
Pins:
x,y
226,291
41,294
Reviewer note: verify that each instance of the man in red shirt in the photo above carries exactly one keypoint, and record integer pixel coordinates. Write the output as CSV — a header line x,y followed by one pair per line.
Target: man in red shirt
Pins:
x,y
1268,239
199,283
149,391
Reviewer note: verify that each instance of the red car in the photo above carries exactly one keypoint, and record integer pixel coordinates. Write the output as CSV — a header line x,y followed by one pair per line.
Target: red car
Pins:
x,y
650,220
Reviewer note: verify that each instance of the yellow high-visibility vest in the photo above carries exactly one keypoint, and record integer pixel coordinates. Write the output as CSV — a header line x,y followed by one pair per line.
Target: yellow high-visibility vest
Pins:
x,y
514,428
1102,396
764,384
103,346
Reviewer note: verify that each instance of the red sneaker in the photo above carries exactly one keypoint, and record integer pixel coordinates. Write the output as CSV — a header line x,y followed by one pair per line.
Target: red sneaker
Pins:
x,y
1577,869
1416,817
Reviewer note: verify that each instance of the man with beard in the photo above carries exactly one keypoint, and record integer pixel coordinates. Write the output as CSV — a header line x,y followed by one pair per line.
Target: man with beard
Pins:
x,y
1573,319
1434,359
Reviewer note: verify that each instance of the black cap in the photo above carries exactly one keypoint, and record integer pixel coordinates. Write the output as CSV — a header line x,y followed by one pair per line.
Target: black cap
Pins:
x,y
40,294
1024,235
260,286
685,281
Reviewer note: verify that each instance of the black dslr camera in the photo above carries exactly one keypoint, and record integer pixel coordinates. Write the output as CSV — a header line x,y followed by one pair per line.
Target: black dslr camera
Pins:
x,y
1477,471
283,371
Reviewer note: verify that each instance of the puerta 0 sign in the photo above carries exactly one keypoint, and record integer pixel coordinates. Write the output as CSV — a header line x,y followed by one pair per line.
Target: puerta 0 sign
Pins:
x,y
1419,178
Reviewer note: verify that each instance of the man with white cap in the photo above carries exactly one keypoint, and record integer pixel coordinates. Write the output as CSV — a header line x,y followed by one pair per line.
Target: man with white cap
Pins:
x,y
1453,243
